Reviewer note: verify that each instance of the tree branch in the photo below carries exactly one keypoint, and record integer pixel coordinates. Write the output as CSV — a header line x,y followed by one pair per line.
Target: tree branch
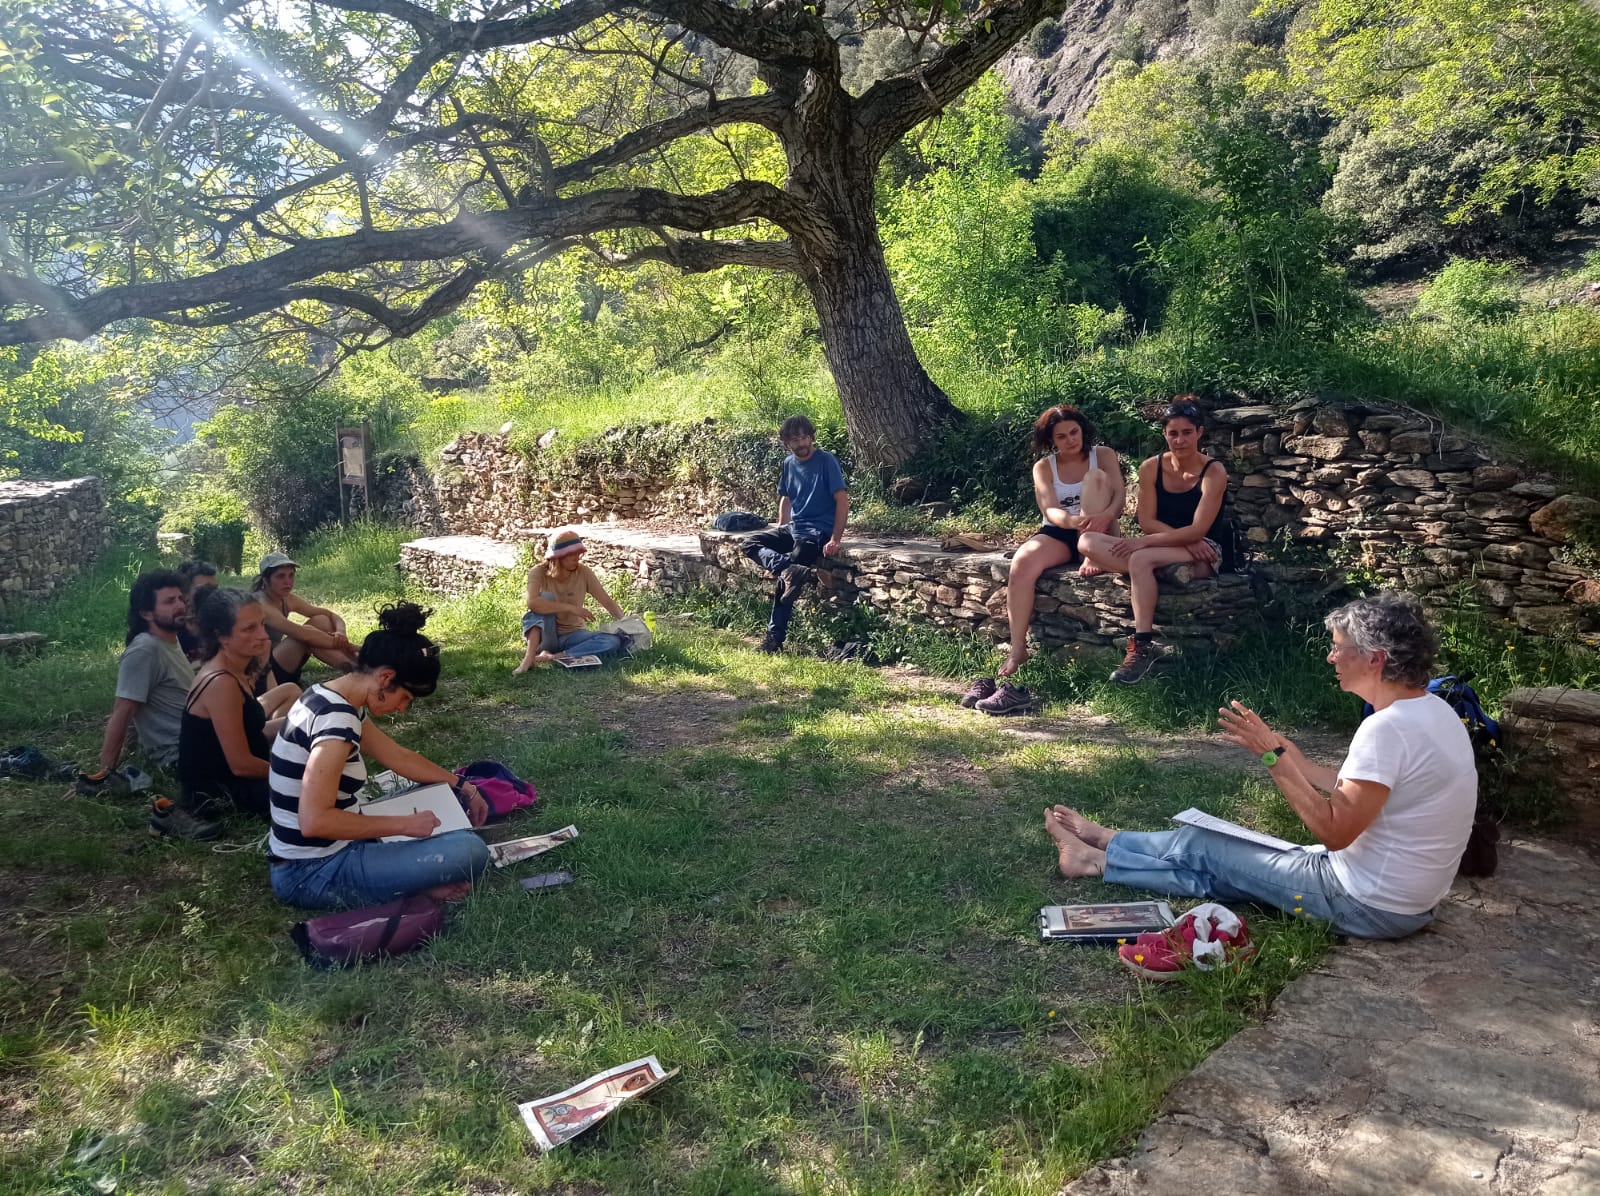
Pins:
x,y
247,286
892,107
694,255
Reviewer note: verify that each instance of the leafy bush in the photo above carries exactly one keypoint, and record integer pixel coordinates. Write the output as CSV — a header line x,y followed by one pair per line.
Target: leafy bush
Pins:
x,y
1471,291
278,452
1097,211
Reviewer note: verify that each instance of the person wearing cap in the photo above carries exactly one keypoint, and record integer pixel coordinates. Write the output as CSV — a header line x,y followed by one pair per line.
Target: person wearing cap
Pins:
x,y
558,618
321,635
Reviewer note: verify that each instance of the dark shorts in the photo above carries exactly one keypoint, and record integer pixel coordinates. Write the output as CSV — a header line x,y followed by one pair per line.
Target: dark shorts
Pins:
x,y
274,674
1061,535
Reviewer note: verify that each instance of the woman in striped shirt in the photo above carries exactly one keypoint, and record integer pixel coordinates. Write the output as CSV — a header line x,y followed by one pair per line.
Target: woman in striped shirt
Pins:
x,y
324,853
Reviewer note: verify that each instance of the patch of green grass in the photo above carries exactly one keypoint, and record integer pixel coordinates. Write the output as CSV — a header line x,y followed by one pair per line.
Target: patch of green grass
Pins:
x,y
810,886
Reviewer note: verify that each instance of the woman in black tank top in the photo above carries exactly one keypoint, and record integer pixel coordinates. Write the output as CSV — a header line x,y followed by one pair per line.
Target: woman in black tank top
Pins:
x,y
225,738
1180,504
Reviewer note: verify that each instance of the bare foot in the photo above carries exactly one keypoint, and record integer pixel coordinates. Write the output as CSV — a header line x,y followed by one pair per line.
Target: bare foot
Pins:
x,y
456,892
522,668
1074,857
1089,569
1091,833
1014,661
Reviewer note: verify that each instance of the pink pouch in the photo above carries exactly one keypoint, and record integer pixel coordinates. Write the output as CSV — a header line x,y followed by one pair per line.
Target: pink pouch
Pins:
x,y
393,928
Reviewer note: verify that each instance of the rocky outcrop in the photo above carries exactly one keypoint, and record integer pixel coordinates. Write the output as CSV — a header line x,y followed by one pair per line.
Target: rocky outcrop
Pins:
x,y
50,532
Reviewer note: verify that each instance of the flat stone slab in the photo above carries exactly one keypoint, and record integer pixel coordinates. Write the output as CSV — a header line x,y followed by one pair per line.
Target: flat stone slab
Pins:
x,y
478,550
1465,1058
21,642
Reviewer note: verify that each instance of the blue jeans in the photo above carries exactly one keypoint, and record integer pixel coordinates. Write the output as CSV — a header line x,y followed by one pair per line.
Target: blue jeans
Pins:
x,y
775,551
370,871
581,642
1191,862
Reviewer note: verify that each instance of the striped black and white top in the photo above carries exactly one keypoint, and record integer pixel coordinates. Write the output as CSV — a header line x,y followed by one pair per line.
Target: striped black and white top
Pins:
x,y
319,715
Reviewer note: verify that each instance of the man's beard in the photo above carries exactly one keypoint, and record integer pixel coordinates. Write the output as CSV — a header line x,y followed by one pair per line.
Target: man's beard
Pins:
x,y
171,627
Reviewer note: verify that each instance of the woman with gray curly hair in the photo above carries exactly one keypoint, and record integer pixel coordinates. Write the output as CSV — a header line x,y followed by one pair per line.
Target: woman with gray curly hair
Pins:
x,y
1394,817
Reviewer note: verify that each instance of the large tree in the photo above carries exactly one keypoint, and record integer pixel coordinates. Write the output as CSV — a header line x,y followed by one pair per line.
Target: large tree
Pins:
x,y
363,165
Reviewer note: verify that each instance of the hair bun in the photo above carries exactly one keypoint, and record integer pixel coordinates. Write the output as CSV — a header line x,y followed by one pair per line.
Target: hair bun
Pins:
x,y
406,618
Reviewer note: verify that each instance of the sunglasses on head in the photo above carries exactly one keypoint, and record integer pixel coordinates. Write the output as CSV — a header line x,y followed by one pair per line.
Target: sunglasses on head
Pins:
x,y
1181,411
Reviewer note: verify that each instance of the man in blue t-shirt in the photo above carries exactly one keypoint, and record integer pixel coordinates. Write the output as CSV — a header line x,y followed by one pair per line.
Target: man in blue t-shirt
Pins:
x,y
813,505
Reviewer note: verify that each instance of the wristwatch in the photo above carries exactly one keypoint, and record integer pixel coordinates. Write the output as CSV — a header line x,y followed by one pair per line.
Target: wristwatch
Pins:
x,y
1272,755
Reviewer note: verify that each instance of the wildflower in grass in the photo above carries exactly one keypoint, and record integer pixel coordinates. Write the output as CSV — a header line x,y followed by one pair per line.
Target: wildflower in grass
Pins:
x,y
1138,959
1052,1013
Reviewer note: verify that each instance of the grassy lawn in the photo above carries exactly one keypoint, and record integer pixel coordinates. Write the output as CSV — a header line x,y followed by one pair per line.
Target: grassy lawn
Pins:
x,y
812,887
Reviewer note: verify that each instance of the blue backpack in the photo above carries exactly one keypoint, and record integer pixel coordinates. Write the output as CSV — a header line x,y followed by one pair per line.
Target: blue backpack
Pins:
x,y
1481,729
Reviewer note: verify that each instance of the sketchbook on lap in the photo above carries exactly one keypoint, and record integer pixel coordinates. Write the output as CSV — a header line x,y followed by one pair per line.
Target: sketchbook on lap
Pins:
x,y
437,800
1210,822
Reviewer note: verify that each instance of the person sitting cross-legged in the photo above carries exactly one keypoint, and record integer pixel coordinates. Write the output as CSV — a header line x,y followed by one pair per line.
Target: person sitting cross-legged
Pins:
x,y
1395,816
323,853
320,634
556,624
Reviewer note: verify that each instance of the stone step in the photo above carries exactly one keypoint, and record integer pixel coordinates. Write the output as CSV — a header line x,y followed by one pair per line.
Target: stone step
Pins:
x,y
21,643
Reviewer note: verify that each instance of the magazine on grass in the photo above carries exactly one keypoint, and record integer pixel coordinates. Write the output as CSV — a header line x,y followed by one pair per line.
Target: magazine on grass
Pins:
x,y
1210,822
438,800
1114,923
579,662
553,1120
513,850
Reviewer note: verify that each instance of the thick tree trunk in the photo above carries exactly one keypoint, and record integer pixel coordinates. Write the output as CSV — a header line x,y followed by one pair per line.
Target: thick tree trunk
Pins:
x,y
891,406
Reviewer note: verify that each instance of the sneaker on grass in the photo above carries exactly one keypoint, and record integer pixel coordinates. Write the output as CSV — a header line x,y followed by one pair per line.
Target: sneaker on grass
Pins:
x,y
1141,657
1206,937
169,818
108,782
1008,699
980,689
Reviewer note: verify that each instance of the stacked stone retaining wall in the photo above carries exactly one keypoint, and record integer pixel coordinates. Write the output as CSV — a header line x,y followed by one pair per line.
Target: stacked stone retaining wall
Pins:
x,y
1321,487
49,533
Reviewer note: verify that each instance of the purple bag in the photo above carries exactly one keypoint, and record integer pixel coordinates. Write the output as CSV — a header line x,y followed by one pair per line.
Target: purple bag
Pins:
x,y
393,928
503,789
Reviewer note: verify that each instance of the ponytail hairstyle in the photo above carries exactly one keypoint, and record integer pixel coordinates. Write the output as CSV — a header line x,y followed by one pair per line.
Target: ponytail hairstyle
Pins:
x,y
215,614
399,644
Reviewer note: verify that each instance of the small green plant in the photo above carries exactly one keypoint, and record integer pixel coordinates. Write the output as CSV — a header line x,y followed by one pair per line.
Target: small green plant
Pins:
x,y
1471,291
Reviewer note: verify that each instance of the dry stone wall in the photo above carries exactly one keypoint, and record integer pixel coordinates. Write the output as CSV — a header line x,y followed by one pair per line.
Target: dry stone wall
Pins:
x,y
484,487
1320,487
1554,733
1402,497
49,533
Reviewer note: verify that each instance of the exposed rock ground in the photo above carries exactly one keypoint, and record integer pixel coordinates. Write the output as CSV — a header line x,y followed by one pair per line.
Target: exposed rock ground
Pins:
x,y
1463,1059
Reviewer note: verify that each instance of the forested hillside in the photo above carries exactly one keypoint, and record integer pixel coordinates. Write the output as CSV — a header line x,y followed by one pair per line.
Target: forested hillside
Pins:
x,y
1145,197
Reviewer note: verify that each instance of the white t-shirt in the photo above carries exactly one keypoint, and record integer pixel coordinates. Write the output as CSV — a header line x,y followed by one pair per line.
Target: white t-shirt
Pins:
x,y
1405,860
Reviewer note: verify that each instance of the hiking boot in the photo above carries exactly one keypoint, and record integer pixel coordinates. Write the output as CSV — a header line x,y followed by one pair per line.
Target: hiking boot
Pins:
x,y
770,644
1163,954
1008,699
107,783
795,578
980,689
1139,660
169,818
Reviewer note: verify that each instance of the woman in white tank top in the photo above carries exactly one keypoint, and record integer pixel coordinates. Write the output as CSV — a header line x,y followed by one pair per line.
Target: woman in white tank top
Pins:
x,y
1078,487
